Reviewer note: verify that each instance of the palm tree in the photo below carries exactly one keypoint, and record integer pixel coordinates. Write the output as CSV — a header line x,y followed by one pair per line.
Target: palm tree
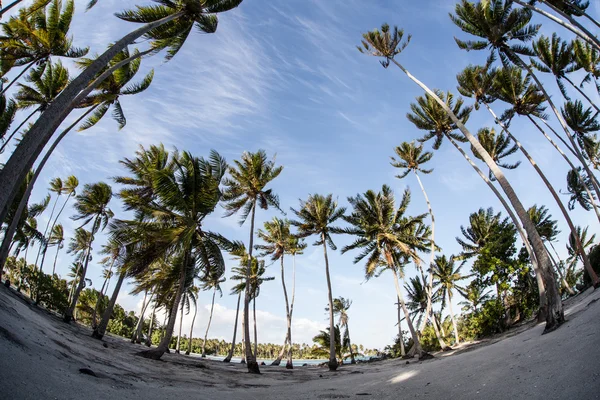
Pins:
x,y
8,110
340,308
172,224
278,240
112,250
448,275
480,231
167,25
556,57
57,238
244,190
316,216
325,344
475,295
38,33
79,246
92,205
388,238
574,255
118,84
498,145
578,187
211,282
47,83
588,59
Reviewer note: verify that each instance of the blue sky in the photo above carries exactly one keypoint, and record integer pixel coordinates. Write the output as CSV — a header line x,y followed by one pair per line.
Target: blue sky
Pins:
x,y
286,77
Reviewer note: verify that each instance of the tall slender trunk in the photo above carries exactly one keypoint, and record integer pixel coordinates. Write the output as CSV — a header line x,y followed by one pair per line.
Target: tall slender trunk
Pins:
x,y
438,336
163,346
212,306
24,156
55,258
582,93
237,312
189,349
44,244
137,334
250,358
69,312
333,364
562,277
555,315
98,301
180,325
16,130
575,23
415,337
289,364
255,329
151,326
52,228
400,335
456,338
8,7
9,234
542,314
243,360
98,333
352,360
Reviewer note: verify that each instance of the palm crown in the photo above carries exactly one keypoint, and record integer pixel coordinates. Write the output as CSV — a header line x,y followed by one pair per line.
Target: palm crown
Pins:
x,y
498,146
47,83
544,224
517,90
92,203
384,43
277,237
316,216
411,157
556,57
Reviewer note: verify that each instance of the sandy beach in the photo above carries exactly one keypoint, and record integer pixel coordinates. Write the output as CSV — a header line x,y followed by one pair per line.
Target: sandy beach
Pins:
x,y
41,358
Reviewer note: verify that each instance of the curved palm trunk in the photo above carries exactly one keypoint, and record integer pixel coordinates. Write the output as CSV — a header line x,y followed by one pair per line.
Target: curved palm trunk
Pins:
x,y
50,230
542,314
180,325
189,350
24,156
9,234
44,245
562,277
98,333
16,130
151,326
555,315
457,340
576,23
582,93
438,336
255,331
400,335
575,28
352,360
563,210
137,333
289,363
415,337
100,295
8,7
232,348
250,358
163,346
212,306
333,364
55,258
431,260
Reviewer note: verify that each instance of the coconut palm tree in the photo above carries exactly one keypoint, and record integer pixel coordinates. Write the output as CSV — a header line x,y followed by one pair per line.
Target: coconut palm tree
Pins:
x,y
79,246
388,238
340,308
35,34
173,225
8,110
448,275
57,238
166,25
499,146
582,236
479,232
588,59
244,191
317,216
213,282
557,57
91,206
47,83
111,249
278,240
584,124
579,187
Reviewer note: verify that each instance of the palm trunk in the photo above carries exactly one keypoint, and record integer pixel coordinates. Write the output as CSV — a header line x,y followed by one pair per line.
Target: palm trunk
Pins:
x,y
94,322
250,358
431,260
289,364
149,338
582,93
243,360
137,333
400,335
16,130
572,27
237,312
255,330
74,283
52,227
562,277
555,315
189,350
55,258
24,156
69,312
542,314
9,234
575,23
98,333
352,360
333,364
44,245
163,346
212,306
415,337
180,325
19,75
8,7
457,340
277,361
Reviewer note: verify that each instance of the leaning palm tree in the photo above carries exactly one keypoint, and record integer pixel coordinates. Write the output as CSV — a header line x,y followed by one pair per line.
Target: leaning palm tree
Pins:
x,y
111,250
316,216
447,275
419,304
167,25
340,308
278,240
213,282
91,206
387,238
173,227
499,146
244,191
579,190
57,238
588,59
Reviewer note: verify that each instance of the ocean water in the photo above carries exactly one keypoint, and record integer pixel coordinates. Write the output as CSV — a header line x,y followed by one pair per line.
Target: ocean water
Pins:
x,y
296,363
